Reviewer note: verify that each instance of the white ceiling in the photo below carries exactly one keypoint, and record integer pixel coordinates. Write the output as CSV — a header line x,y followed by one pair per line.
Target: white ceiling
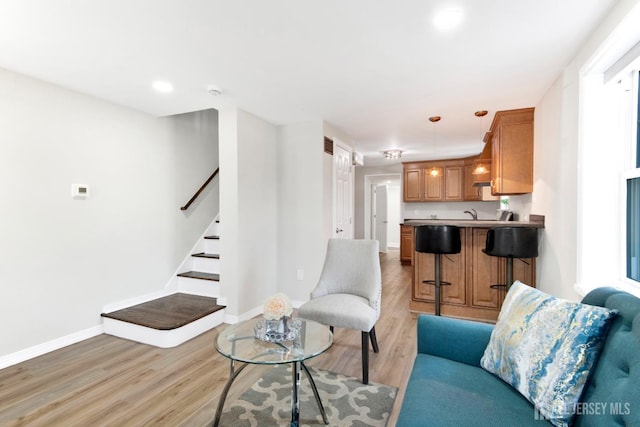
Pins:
x,y
374,69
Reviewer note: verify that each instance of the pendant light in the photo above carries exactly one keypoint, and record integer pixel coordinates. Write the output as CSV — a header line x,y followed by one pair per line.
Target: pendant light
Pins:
x,y
434,119
480,166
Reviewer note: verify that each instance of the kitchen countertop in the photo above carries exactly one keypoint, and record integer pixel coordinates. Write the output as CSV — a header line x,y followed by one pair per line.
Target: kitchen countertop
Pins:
x,y
536,221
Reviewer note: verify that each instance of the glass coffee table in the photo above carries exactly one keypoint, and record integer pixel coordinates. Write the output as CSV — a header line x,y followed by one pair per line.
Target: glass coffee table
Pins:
x,y
239,344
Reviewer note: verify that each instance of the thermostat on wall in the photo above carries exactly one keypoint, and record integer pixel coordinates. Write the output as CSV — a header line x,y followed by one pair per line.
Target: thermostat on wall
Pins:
x,y
79,191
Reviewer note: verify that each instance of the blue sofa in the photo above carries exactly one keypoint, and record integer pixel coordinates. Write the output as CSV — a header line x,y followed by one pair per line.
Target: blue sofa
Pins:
x,y
447,386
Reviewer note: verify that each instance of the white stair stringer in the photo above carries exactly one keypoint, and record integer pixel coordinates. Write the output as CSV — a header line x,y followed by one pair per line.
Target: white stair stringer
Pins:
x,y
205,288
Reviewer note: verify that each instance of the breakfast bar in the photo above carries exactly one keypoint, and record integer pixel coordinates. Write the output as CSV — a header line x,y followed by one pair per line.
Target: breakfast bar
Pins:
x,y
472,274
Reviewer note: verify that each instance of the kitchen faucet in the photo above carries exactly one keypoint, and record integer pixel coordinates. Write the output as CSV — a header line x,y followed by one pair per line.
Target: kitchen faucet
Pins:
x,y
473,213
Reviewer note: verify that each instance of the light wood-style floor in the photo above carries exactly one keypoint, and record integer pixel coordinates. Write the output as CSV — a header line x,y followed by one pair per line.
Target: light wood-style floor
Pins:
x,y
108,381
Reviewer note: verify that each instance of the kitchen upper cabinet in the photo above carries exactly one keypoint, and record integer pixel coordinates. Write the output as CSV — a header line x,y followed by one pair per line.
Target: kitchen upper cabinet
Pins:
x,y
470,192
453,178
512,152
432,184
412,185
433,181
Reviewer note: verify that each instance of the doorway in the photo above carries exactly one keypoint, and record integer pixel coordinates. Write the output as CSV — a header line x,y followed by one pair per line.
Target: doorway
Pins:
x,y
342,191
382,210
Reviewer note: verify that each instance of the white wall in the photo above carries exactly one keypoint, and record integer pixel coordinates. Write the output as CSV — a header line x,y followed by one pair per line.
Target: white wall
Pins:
x,y
62,260
248,150
302,211
362,196
393,214
560,168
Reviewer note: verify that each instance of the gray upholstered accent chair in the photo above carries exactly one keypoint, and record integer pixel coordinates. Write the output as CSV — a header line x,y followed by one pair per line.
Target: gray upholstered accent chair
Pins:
x,y
348,292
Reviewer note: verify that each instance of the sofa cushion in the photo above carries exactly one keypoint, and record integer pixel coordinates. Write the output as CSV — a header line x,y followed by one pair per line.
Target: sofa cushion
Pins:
x,y
545,347
442,392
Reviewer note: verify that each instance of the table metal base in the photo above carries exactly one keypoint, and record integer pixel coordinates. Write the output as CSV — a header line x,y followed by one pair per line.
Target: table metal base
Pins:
x,y
295,393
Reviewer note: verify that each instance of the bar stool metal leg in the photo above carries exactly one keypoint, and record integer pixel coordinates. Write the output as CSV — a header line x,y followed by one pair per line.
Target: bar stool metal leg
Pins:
x,y
438,284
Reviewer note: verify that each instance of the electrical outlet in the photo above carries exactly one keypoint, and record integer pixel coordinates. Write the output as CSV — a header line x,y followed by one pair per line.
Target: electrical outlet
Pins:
x,y
300,274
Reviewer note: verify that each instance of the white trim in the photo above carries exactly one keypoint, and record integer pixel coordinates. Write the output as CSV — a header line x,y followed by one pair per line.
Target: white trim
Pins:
x,y
349,150
173,285
141,299
162,338
622,286
370,180
46,347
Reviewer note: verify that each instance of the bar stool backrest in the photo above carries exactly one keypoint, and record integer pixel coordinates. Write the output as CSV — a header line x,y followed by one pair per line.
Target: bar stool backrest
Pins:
x,y
438,239
512,242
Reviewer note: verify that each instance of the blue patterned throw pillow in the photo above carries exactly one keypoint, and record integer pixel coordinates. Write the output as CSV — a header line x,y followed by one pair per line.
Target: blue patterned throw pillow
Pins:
x,y
545,347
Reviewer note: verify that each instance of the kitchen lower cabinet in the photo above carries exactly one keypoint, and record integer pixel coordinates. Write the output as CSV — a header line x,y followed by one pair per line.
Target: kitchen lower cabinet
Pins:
x,y
406,244
452,270
471,273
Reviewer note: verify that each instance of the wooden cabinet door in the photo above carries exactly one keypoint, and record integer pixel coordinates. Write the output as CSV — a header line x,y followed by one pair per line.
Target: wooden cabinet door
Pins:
x,y
453,179
485,271
496,164
452,269
406,244
512,152
433,184
524,270
516,174
412,185
470,192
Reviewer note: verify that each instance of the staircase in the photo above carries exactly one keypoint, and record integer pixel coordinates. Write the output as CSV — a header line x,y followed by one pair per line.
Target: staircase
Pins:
x,y
189,306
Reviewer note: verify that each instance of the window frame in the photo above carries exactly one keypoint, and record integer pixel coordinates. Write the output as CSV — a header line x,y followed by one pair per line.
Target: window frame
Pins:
x,y
631,84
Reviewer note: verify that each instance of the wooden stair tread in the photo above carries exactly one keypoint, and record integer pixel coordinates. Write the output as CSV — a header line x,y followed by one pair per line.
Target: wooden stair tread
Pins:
x,y
166,313
201,275
212,237
206,255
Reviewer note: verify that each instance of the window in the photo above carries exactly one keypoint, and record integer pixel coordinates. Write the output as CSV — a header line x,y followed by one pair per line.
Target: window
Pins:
x,y
633,199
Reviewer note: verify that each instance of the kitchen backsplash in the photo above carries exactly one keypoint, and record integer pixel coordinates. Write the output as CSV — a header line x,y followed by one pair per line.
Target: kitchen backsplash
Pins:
x,y
520,205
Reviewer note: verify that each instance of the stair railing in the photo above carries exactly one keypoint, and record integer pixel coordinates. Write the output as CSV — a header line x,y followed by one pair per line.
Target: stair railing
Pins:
x,y
195,196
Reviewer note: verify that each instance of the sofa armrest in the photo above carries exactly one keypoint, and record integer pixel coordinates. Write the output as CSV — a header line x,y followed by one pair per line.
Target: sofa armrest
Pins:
x,y
455,339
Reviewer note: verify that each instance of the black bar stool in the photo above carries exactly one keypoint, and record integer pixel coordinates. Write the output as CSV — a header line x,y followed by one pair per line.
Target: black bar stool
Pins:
x,y
437,240
510,243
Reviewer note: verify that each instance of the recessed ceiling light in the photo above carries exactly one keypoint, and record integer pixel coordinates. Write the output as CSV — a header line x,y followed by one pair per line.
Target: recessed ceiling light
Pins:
x,y
161,86
448,18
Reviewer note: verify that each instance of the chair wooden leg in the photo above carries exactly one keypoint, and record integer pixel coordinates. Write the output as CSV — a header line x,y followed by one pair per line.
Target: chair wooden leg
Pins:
x,y
365,357
374,340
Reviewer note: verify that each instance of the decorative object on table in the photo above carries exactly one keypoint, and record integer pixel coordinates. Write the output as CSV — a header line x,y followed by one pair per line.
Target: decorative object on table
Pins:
x,y
345,398
277,324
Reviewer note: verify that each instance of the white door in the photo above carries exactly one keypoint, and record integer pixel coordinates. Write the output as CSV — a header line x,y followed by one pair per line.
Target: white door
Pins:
x,y
342,192
380,228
